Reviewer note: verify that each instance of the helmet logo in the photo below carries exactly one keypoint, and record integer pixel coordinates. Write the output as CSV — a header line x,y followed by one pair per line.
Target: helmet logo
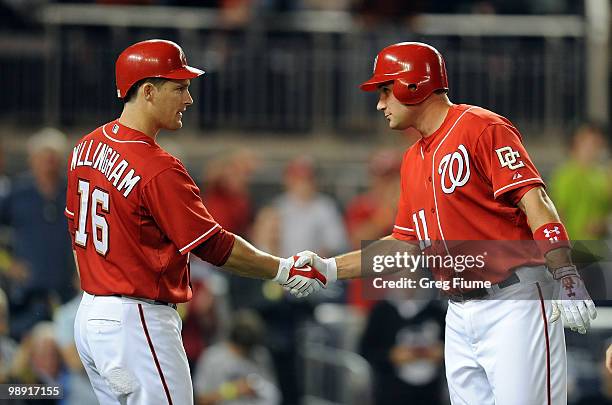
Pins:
x,y
375,62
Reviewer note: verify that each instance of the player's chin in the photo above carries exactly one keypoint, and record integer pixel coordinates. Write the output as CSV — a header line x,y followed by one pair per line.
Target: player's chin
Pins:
x,y
176,124
397,125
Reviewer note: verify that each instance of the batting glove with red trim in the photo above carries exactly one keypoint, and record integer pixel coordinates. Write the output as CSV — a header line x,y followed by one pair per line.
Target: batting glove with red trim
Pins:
x,y
573,303
299,278
324,267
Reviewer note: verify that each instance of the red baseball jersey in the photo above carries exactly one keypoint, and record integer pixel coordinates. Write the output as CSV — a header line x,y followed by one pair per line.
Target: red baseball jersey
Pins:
x,y
462,183
134,214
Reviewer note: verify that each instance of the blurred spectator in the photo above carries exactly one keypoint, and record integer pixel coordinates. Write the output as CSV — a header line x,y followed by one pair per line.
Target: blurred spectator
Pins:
x,y
236,13
582,191
201,322
5,181
403,341
238,371
226,195
370,216
582,186
299,219
608,361
307,219
5,231
77,388
226,190
38,359
604,394
43,265
8,347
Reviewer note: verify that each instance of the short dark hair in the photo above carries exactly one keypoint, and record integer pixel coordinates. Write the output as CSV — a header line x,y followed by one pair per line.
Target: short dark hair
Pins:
x,y
155,81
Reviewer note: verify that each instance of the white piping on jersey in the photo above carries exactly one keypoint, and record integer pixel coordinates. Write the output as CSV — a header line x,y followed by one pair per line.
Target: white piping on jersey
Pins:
x,y
119,141
515,183
433,177
199,237
422,156
403,229
68,212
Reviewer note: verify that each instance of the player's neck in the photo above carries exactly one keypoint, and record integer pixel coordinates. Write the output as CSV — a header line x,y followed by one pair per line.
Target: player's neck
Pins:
x,y
433,116
135,119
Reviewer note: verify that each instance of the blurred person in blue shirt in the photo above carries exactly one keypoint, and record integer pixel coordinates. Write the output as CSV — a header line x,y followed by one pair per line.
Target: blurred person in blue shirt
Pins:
x,y
42,266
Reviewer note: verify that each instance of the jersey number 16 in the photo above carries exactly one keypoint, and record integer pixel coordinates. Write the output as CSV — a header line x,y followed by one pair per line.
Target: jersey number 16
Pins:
x,y
99,225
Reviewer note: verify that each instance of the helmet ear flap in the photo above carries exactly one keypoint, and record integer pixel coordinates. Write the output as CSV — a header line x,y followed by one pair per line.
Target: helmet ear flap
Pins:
x,y
406,92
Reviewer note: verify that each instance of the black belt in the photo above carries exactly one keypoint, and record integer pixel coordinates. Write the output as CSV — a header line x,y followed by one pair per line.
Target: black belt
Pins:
x,y
148,301
480,293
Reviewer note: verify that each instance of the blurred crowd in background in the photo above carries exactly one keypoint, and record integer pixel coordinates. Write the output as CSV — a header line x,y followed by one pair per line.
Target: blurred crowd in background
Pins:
x,y
248,339
244,337
17,13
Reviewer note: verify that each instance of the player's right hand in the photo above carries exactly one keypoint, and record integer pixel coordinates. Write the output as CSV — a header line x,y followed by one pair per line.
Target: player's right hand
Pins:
x,y
299,278
573,303
326,267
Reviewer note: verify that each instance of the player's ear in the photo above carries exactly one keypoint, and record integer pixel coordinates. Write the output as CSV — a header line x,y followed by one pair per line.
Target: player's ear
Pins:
x,y
148,90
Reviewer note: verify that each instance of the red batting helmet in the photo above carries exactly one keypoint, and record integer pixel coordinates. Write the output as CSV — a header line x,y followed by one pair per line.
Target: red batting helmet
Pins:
x,y
152,58
416,69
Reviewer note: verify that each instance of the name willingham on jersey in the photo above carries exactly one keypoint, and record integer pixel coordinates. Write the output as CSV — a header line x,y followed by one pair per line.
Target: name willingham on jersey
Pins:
x,y
104,159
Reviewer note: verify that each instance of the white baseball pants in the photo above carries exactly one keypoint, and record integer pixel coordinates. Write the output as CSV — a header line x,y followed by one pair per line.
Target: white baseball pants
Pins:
x,y
503,350
132,351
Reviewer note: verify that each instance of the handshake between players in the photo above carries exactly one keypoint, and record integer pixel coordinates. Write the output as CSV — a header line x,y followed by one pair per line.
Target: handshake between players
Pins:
x,y
307,273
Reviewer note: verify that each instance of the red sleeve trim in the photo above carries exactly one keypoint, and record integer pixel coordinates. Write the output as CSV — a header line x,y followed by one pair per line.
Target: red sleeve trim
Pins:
x,y
188,247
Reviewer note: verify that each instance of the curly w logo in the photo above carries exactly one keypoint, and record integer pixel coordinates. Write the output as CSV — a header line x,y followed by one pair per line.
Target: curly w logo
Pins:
x,y
454,170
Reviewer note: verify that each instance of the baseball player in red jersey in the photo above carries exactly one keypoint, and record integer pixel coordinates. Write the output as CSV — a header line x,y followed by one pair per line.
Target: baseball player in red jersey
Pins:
x,y
135,215
469,177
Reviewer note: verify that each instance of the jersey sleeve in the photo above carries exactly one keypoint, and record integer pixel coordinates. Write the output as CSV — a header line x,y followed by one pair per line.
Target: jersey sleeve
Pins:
x,y
403,229
173,199
503,160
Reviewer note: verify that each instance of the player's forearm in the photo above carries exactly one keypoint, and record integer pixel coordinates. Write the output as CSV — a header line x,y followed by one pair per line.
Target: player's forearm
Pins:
x,y
349,264
248,261
540,210
76,263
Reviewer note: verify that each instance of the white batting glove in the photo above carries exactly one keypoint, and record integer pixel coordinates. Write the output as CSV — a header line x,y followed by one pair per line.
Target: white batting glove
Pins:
x,y
299,278
573,303
326,267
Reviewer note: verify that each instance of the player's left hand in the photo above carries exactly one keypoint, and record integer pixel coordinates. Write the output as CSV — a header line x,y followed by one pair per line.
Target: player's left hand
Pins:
x,y
573,304
299,278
